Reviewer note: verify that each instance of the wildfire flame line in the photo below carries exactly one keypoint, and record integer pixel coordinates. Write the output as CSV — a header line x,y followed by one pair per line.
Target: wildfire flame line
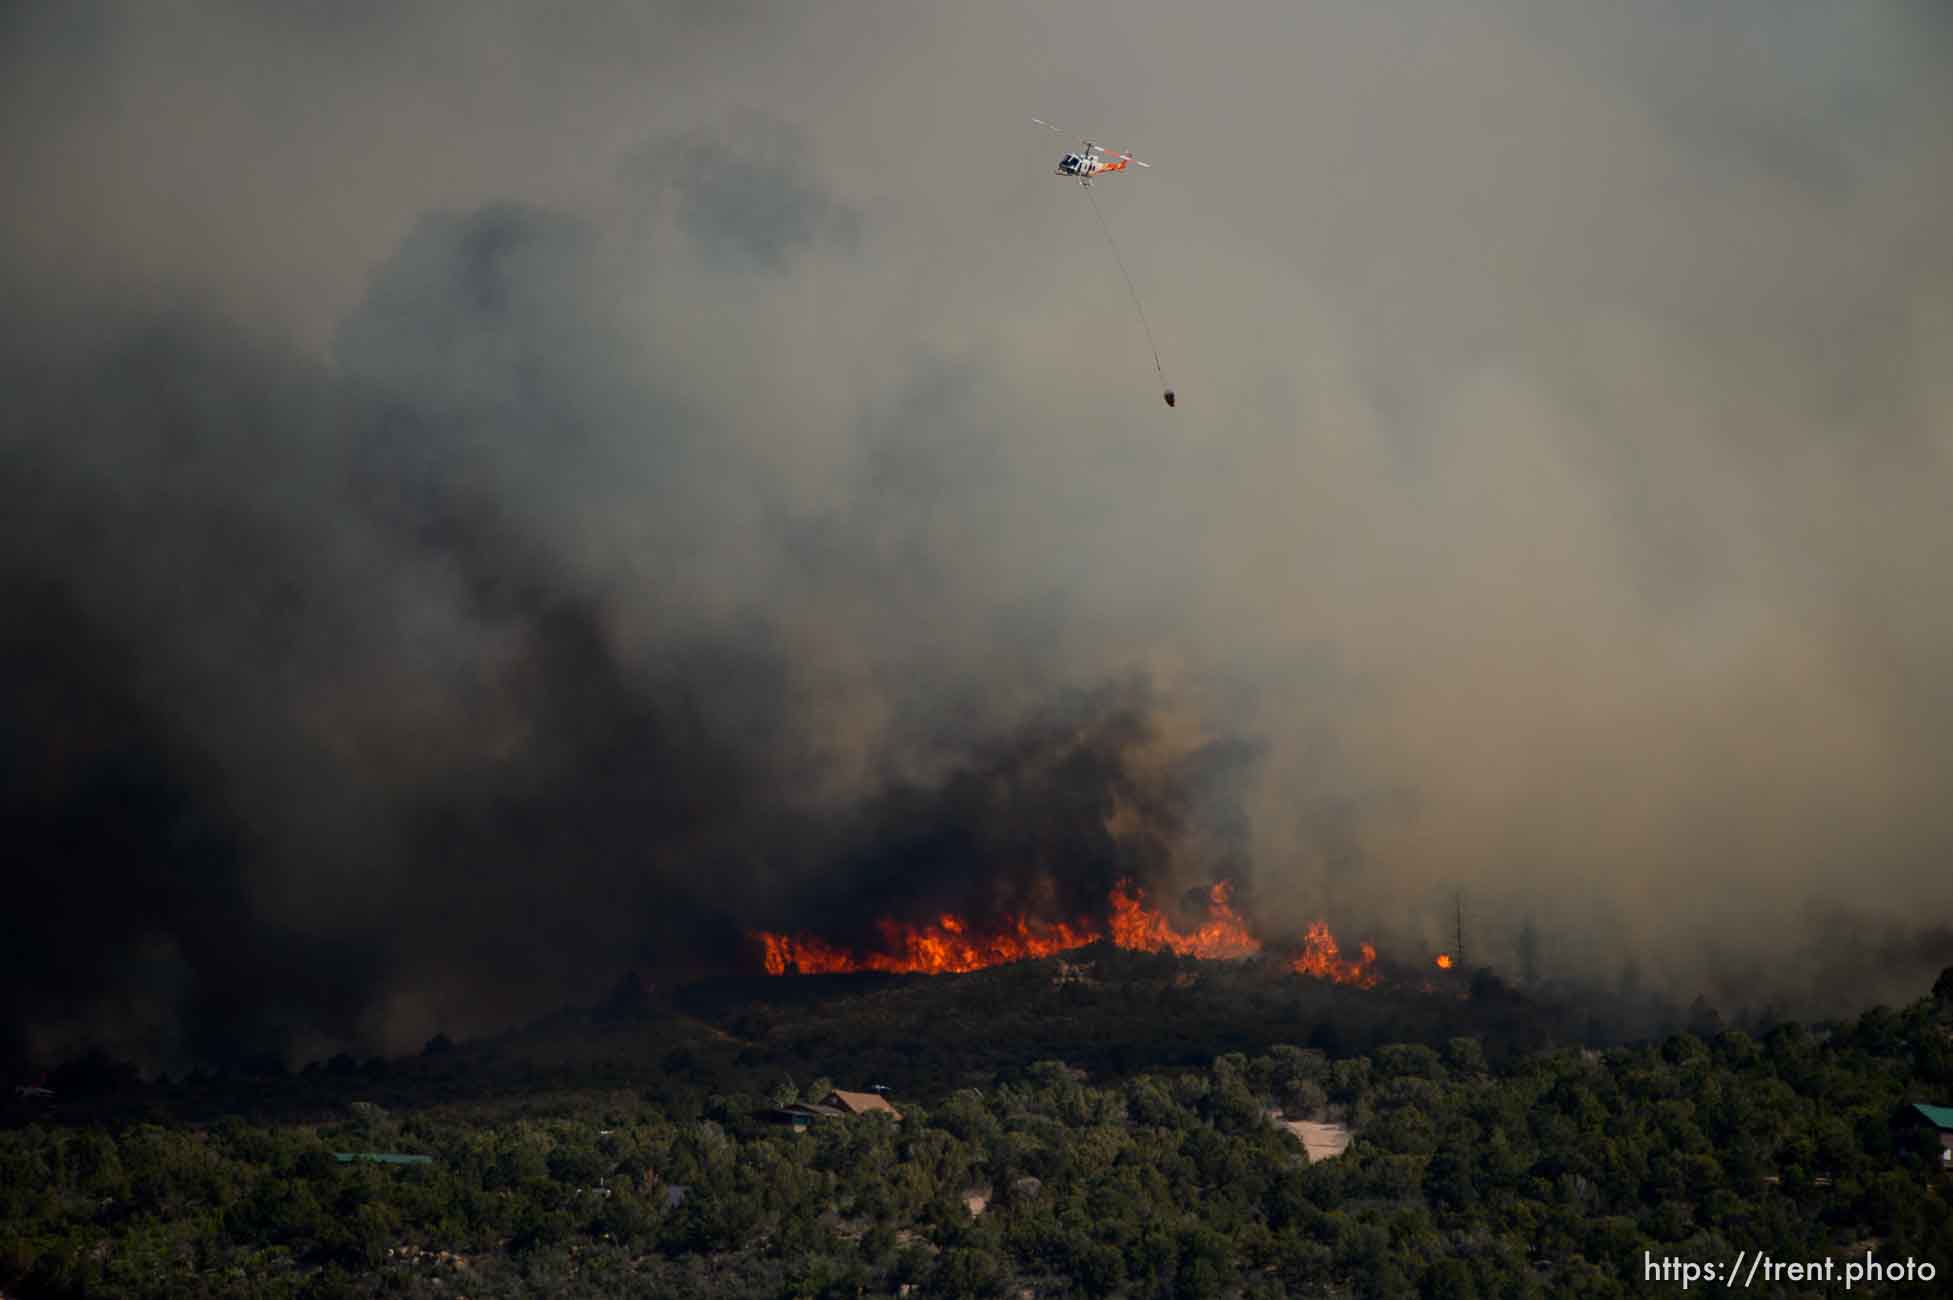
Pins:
x,y
949,945
942,947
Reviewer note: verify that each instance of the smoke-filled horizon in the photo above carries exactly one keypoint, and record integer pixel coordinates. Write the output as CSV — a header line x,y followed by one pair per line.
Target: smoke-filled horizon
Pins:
x,y
494,500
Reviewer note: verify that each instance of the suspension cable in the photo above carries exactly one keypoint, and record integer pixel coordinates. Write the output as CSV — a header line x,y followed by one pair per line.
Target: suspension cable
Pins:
x,y
1131,290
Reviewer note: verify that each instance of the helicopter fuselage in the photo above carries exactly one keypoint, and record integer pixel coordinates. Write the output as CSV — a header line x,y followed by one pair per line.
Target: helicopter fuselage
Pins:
x,y
1084,166
1089,160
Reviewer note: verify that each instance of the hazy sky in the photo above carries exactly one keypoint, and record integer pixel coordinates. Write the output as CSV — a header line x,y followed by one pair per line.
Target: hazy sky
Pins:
x,y
492,497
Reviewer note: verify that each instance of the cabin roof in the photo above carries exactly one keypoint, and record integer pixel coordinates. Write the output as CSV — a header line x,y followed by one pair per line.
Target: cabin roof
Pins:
x,y
1940,1117
1319,1141
860,1103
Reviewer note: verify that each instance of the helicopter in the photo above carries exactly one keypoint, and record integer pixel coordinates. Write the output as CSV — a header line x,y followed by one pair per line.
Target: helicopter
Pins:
x,y
1082,166
1090,160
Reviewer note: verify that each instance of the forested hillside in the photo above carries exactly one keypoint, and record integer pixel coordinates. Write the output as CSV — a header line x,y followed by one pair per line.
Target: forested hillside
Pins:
x,y
1548,1174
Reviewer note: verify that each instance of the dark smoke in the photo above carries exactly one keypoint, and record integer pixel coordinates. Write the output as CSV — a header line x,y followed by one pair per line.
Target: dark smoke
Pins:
x,y
320,730
1044,822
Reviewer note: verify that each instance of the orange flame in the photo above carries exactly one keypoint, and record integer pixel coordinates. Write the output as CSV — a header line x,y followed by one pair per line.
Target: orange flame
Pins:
x,y
936,949
1139,927
1321,958
1444,961
947,944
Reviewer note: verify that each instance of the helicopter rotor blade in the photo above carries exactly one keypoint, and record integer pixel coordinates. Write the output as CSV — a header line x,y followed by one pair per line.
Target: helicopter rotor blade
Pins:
x,y
1089,147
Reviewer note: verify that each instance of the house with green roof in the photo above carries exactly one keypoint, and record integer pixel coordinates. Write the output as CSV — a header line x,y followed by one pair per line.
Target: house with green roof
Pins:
x,y
1934,1124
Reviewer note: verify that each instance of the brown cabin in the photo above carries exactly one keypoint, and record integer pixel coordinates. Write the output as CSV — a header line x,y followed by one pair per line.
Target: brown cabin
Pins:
x,y
836,1105
860,1103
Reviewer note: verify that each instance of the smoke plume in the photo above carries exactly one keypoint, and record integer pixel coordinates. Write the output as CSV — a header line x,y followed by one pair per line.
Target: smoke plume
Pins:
x,y
491,500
